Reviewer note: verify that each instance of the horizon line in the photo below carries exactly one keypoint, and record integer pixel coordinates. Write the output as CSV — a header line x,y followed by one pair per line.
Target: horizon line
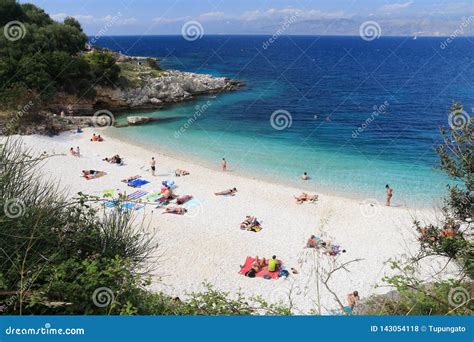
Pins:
x,y
270,35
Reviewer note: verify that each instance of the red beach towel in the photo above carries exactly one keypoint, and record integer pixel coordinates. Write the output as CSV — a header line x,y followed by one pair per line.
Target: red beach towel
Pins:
x,y
262,273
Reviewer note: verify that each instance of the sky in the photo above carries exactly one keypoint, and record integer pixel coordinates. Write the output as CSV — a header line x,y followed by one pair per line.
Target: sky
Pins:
x,y
140,17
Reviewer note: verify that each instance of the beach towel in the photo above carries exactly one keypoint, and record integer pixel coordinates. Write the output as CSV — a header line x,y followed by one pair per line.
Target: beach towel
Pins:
x,y
108,193
111,204
137,194
192,203
132,206
264,273
162,202
137,183
153,197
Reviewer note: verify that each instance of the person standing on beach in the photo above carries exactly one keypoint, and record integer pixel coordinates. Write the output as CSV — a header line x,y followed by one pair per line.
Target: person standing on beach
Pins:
x,y
224,164
352,299
389,195
78,151
153,166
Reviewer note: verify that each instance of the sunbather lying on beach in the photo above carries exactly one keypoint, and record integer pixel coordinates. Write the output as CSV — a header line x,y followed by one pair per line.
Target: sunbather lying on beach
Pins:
x,y
251,224
179,172
175,210
183,199
258,264
305,197
131,178
114,160
73,153
91,174
230,192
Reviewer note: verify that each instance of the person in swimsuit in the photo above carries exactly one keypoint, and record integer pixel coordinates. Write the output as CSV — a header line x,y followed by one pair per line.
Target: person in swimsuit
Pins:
x,y
183,199
72,152
305,176
224,164
389,195
312,242
305,197
352,299
175,210
153,166
230,192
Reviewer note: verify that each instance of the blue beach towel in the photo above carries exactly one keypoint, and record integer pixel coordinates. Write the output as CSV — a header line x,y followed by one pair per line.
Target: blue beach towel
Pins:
x,y
138,183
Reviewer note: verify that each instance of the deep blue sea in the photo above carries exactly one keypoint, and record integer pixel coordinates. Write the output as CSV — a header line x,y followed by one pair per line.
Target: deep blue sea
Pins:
x,y
361,114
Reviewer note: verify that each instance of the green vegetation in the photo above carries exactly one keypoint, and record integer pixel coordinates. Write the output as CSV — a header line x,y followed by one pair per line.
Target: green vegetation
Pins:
x,y
48,57
135,74
414,294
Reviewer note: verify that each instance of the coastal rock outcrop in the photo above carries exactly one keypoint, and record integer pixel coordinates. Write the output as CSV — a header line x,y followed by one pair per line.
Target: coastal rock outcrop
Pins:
x,y
153,91
137,120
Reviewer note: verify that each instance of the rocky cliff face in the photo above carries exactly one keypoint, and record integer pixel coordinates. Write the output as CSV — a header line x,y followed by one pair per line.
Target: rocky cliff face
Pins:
x,y
169,87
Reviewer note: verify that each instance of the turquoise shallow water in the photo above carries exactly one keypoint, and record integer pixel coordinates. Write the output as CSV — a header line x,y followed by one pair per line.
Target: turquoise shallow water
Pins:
x,y
330,90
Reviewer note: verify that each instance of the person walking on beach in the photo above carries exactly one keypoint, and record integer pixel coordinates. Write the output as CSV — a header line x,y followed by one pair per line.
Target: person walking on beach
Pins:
x,y
153,166
224,164
389,195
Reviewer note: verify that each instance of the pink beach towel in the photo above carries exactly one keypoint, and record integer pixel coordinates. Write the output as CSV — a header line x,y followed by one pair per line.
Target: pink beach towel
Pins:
x,y
262,273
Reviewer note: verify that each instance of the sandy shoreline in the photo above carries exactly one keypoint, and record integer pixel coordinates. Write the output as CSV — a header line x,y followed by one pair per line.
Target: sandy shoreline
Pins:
x,y
207,245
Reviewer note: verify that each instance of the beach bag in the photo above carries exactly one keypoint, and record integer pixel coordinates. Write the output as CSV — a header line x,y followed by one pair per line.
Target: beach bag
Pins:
x,y
251,273
283,273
